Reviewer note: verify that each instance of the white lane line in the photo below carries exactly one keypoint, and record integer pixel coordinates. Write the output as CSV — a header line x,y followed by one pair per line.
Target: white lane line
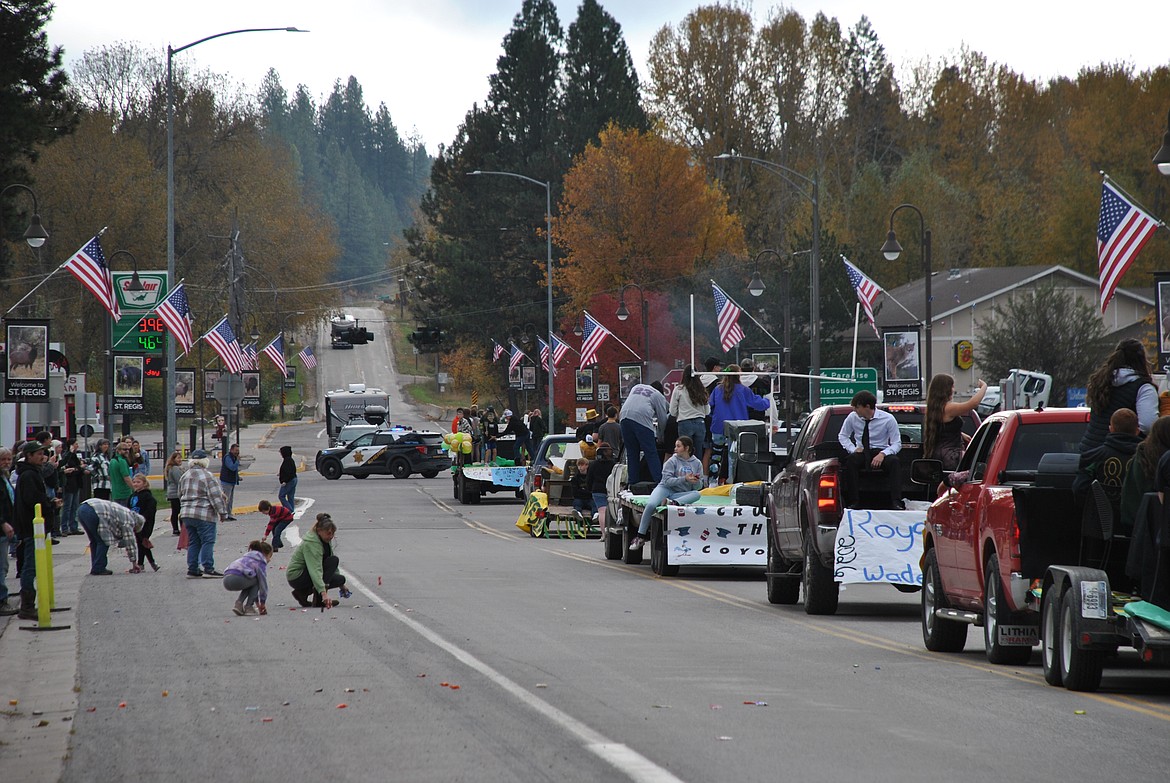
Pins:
x,y
621,757
322,432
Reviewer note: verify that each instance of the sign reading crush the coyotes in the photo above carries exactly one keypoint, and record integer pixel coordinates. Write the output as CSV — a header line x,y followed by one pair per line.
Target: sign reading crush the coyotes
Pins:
x,y
716,535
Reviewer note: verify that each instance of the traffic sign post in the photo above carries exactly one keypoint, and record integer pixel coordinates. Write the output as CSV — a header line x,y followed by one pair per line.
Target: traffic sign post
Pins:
x,y
853,380
229,393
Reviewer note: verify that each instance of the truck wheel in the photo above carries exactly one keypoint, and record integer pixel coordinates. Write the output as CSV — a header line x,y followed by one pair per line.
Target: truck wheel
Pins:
x,y
938,634
612,543
1050,636
1080,669
995,611
462,490
821,593
400,469
781,590
455,485
659,562
628,531
331,469
430,473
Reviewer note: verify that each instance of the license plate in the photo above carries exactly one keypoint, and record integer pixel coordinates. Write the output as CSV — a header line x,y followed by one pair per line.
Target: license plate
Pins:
x,y
1019,635
1094,600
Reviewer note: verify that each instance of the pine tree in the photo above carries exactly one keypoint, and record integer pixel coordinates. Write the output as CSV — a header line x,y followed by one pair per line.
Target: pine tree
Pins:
x,y
601,84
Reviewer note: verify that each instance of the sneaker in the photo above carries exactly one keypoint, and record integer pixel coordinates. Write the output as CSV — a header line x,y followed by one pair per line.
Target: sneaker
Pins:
x,y
103,572
7,609
212,572
251,609
636,543
155,566
238,608
899,506
231,519
344,593
194,574
302,597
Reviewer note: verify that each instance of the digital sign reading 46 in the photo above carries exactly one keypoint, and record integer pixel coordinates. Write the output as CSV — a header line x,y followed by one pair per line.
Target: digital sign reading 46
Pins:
x,y
140,333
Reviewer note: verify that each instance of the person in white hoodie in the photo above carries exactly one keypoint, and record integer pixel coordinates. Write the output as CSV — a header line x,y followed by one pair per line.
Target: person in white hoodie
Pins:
x,y
690,407
1123,380
682,475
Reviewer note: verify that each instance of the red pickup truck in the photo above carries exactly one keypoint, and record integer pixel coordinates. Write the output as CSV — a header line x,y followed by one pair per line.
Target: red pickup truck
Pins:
x,y
1014,551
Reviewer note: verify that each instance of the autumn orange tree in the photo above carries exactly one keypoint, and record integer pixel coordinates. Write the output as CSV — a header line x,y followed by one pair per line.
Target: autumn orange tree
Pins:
x,y
634,209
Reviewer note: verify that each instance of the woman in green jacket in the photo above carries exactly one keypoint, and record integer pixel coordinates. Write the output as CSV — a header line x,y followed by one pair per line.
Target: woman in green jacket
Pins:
x,y
313,568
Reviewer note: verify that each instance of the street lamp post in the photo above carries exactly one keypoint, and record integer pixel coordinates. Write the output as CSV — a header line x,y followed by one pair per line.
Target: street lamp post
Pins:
x,y
756,288
108,369
170,429
552,427
809,187
891,250
622,314
1162,157
35,235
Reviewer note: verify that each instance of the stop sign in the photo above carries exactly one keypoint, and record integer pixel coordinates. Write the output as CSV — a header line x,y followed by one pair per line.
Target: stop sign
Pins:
x,y
670,381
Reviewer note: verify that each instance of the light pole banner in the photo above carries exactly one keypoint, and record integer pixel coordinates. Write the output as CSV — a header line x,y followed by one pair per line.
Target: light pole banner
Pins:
x,y
26,368
185,391
251,389
903,363
128,373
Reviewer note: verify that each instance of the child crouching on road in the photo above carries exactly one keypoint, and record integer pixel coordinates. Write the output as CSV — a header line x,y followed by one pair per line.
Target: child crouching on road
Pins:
x,y
249,575
279,517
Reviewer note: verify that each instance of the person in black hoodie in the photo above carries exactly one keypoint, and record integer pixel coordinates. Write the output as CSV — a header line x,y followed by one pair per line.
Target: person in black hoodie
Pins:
x,y
30,490
288,479
598,474
1109,462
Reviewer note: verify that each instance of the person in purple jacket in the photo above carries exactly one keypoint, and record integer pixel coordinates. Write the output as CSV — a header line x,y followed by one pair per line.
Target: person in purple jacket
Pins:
x,y
730,401
249,575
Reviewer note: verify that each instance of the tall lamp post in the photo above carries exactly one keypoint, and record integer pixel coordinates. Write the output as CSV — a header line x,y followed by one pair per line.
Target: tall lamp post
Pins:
x,y
108,381
552,427
809,187
35,235
891,250
170,430
756,288
1162,158
622,314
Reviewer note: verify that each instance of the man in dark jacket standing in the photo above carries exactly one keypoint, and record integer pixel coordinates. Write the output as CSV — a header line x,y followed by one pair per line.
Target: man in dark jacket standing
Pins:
x,y
30,490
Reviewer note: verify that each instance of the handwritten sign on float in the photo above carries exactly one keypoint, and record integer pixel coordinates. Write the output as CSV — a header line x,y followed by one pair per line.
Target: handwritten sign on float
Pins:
x,y
879,547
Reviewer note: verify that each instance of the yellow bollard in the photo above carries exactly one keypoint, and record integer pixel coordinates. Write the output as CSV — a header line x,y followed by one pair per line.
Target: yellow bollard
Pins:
x,y
42,561
46,597
44,565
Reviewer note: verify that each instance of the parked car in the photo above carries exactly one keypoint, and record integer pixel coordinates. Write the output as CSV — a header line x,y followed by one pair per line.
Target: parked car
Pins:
x,y
396,452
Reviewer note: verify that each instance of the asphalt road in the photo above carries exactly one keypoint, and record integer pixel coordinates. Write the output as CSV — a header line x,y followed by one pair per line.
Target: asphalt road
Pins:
x,y
471,652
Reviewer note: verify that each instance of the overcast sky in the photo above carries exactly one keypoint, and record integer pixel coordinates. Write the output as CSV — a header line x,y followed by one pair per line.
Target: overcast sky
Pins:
x,y
429,60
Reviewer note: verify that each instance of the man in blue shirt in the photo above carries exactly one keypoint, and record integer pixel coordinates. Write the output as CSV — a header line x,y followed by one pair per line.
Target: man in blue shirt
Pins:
x,y
871,440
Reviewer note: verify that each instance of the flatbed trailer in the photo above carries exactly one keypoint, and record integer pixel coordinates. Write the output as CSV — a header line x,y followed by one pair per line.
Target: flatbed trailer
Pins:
x,y
715,531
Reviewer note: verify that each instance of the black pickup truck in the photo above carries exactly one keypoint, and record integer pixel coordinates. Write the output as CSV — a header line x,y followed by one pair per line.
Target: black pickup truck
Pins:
x,y
805,507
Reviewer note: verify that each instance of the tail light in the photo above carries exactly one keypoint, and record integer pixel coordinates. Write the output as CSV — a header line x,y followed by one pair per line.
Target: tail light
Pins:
x,y
828,498
537,481
421,450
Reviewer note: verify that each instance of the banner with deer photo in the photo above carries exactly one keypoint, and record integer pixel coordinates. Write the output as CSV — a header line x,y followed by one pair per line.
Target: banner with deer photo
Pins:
x,y
26,368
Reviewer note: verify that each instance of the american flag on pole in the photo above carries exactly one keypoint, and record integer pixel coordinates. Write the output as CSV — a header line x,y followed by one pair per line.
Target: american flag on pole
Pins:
x,y
223,341
88,265
727,314
560,348
515,356
866,289
275,351
307,358
593,335
497,351
250,354
1122,230
175,312
544,355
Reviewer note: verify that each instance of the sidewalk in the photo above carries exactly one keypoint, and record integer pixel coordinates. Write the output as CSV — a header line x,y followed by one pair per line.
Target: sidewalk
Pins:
x,y
38,693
